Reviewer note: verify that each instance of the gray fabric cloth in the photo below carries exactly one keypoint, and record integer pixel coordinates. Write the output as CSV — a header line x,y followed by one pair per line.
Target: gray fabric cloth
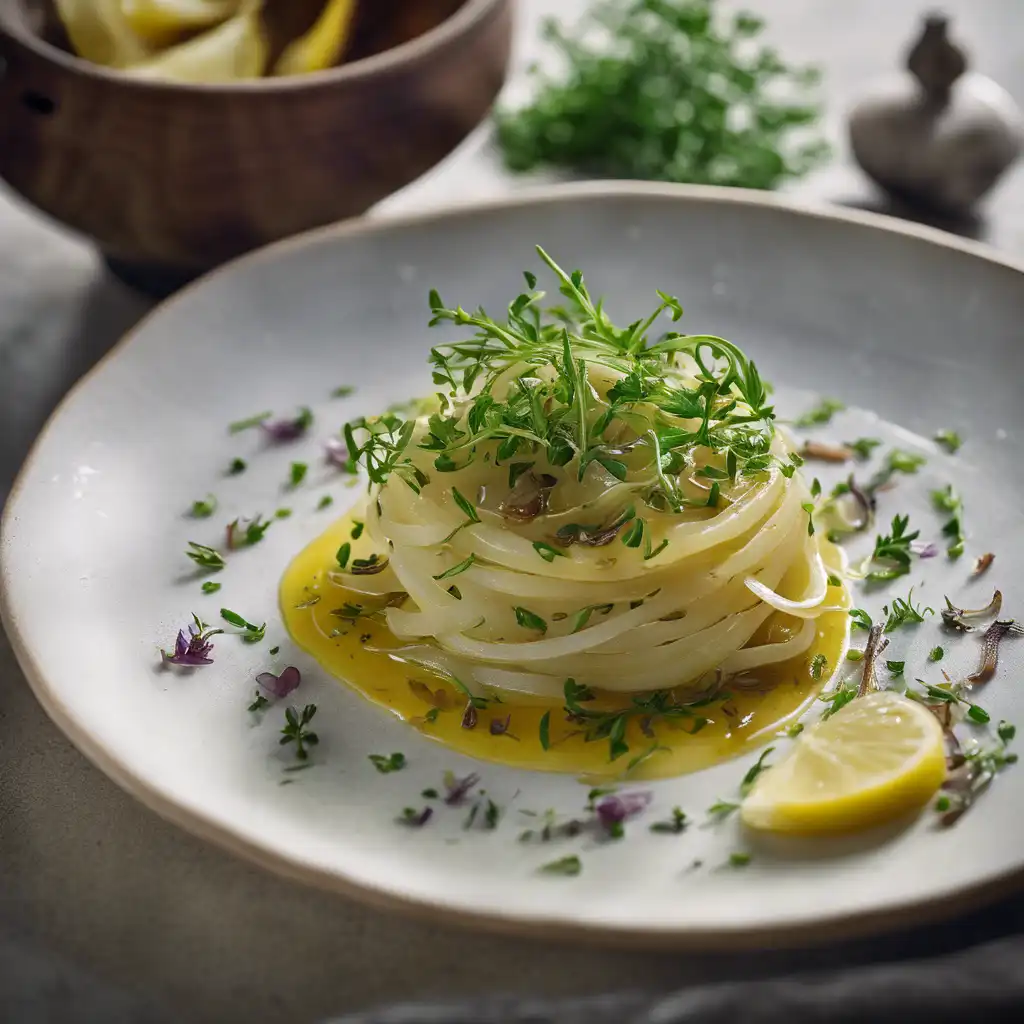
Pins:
x,y
984,983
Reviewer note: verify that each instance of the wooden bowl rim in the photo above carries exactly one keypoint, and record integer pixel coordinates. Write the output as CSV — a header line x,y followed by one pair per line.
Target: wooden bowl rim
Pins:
x,y
408,53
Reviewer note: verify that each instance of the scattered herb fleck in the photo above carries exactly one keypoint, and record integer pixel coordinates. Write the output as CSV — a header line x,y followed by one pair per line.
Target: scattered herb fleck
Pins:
x,y
569,866
209,587
674,825
296,730
950,440
388,763
204,507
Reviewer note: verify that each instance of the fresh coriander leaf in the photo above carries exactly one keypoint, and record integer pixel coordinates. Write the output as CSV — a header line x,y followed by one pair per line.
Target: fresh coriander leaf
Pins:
x,y
1006,732
325,502
896,668
297,473
936,654
210,587
861,619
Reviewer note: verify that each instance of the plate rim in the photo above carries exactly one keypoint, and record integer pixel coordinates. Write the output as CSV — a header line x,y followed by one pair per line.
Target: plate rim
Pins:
x,y
836,928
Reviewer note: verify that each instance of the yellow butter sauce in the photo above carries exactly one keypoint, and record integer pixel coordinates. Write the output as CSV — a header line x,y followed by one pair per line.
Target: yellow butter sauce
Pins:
x,y
354,651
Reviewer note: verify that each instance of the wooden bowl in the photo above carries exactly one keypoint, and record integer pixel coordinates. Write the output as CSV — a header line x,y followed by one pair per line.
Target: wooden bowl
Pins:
x,y
170,180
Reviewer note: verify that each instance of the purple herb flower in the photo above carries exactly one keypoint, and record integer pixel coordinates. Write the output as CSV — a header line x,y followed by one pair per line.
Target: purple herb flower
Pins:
x,y
193,648
282,685
499,726
924,550
612,811
458,789
337,454
288,430
416,819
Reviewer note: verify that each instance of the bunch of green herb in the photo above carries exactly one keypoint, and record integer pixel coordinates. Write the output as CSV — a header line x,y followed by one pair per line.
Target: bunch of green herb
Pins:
x,y
667,90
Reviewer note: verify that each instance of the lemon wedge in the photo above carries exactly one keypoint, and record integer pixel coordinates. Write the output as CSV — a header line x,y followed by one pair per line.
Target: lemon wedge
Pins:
x,y
237,49
322,46
99,32
877,758
159,21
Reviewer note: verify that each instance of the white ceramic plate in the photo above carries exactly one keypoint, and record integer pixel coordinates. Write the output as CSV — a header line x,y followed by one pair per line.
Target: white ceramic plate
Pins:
x,y
919,326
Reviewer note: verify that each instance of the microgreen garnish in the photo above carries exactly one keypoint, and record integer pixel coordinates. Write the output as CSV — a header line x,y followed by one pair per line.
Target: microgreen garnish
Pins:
x,y
936,654
237,466
204,507
297,473
387,763
209,587
723,407
892,552
259,702
808,507
295,730
739,859
343,554
839,697
948,500
325,502
343,391
455,570
896,461
193,648
674,825
950,440
904,612
755,770
530,620
818,665
205,557
863,446
569,866
821,414
280,685
247,424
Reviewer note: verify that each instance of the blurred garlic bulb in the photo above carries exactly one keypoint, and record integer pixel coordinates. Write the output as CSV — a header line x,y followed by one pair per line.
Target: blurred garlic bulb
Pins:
x,y
937,133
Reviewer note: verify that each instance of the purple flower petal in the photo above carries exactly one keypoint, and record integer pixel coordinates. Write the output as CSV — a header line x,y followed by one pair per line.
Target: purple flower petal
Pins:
x,y
191,649
499,726
614,810
924,550
282,685
337,454
288,430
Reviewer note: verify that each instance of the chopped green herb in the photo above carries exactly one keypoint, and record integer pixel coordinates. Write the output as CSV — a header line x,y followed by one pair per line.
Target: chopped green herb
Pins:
x,y
297,473
283,513
896,668
821,414
838,698
794,730
343,554
713,494
274,650
545,730
583,615
295,730
259,702
893,552
818,665
429,794
247,424
455,570
948,500
950,440
854,655
205,557
1006,731
343,391
863,446
633,535
252,634
904,612
209,587
570,866
252,534
674,825
755,770
721,809
547,552
861,619
237,466
936,654
529,620
387,763
834,580
325,502
357,529
943,804
978,714
204,508
739,859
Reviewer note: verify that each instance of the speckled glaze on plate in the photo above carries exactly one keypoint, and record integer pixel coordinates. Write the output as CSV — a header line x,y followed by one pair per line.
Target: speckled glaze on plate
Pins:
x,y
918,326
